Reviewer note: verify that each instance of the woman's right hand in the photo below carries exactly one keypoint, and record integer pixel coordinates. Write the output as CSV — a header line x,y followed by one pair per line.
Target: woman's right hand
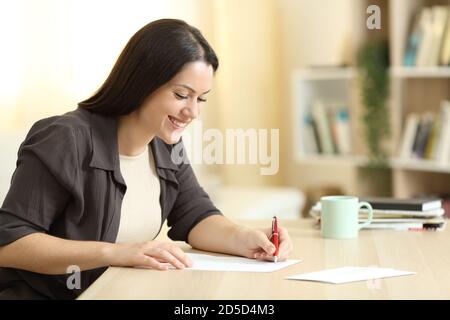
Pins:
x,y
150,254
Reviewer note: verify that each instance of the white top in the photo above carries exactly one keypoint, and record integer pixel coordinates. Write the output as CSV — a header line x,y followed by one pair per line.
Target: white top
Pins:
x,y
140,218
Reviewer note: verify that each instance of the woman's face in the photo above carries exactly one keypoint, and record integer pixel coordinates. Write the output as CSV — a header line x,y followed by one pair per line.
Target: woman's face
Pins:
x,y
169,109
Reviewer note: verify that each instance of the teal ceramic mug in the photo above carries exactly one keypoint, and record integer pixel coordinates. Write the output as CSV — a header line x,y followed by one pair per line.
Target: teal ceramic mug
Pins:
x,y
339,217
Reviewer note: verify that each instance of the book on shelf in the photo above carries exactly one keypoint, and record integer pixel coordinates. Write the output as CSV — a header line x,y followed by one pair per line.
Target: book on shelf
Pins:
x,y
428,43
412,122
432,141
311,143
445,50
422,135
321,120
443,149
326,129
439,16
343,132
427,136
416,35
424,50
416,136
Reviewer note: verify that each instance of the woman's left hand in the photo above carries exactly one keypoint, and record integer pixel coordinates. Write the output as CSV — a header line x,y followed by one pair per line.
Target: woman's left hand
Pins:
x,y
257,245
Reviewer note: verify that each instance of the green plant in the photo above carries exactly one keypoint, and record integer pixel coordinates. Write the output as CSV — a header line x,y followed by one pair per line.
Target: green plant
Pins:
x,y
373,63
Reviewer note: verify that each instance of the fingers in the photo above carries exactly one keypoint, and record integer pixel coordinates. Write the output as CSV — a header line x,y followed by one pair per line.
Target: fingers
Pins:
x,y
266,247
263,256
286,246
264,243
180,255
164,255
150,262
167,253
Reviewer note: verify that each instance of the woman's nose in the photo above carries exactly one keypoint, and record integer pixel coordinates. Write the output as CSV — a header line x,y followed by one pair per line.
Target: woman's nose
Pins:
x,y
192,111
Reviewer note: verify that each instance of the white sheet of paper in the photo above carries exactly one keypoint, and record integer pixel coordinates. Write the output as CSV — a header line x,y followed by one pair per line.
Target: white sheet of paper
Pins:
x,y
350,274
228,263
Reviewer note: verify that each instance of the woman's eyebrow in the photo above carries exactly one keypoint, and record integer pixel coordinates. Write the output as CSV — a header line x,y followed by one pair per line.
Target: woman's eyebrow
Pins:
x,y
190,89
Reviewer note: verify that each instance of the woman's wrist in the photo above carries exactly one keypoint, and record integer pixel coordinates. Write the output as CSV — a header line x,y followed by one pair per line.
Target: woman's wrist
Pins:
x,y
106,253
239,239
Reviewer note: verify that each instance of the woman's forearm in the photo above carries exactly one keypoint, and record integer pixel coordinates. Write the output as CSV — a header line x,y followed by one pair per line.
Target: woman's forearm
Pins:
x,y
217,234
42,253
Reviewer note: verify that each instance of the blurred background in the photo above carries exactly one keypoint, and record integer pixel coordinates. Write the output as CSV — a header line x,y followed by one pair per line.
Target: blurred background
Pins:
x,y
358,89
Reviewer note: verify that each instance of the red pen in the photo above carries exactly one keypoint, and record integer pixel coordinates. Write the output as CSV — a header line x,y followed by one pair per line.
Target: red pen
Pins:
x,y
274,238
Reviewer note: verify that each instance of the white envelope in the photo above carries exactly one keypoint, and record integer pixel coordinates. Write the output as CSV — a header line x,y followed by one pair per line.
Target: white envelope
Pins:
x,y
350,274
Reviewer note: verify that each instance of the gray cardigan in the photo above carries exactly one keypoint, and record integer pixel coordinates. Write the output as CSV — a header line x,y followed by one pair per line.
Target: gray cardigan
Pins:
x,y
67,183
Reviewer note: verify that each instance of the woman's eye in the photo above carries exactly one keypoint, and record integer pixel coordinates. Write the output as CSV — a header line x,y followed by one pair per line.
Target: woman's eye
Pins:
x,y
180,96
201,100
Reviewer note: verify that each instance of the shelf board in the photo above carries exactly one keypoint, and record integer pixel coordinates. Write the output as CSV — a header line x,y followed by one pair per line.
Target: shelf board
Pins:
x,y
325,73
420,72
350,73
340,160
359,161
420,165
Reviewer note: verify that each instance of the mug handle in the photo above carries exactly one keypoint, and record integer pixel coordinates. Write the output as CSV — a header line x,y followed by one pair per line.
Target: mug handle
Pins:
x,y
369,219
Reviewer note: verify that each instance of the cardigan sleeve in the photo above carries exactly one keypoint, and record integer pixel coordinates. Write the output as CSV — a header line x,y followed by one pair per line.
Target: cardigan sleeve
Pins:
x,y
192,205
41,183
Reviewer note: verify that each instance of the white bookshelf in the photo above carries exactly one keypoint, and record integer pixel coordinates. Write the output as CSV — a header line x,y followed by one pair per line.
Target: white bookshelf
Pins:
x,y
420,165
325,74
413,89
335,160
418,90
423,72
330,85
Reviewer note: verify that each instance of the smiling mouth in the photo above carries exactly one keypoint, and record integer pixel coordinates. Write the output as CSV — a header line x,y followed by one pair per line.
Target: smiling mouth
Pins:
x,y
178,123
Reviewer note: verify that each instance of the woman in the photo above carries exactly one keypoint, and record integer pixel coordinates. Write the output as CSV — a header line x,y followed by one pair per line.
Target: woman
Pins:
x,y
92,187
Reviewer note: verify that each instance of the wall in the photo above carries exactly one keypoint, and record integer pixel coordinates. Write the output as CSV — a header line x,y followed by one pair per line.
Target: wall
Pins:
x,y
59,52
247,41
316,33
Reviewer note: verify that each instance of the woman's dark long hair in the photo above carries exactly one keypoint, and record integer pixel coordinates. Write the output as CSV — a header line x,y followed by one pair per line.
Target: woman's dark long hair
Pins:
x,y
153,56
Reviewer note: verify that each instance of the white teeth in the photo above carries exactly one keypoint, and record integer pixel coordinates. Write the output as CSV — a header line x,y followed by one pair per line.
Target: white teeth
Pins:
x,y
177,123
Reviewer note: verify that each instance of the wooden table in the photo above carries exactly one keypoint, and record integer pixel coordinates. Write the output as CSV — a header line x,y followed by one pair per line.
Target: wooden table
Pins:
x,y
427,253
